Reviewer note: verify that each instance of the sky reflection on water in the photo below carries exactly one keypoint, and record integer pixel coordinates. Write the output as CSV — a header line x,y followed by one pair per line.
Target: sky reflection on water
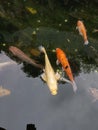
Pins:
x,y
31,102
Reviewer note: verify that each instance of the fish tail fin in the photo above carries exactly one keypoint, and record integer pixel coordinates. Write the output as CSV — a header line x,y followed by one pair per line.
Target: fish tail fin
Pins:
x,y
65,80
42,49
74,86
86,42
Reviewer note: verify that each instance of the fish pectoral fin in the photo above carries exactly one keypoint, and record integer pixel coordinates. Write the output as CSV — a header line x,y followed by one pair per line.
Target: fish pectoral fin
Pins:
x,y
57,62
43,76
65,80
57,76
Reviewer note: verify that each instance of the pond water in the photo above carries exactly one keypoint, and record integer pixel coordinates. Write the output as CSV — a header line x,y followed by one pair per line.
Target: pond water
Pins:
x,y
30,100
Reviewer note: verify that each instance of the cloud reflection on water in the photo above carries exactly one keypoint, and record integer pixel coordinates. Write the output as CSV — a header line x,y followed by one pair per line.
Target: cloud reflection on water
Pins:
x,y
31,102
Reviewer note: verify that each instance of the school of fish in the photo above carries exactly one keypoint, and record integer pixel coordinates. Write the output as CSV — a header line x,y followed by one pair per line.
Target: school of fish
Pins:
x,y
49,76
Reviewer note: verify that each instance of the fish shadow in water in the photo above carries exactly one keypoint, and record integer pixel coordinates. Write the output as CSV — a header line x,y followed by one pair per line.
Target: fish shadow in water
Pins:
x,y
30,70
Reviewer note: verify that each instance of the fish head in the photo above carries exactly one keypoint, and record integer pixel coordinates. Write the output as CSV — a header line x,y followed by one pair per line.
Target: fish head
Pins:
x,y
41,49
13,49
78,22
58,50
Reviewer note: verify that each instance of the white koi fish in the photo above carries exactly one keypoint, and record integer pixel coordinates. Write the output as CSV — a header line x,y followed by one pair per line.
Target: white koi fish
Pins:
x,y
49,76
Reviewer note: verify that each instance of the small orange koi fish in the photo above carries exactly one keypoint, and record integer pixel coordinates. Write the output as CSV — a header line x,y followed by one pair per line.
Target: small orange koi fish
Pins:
x,y
61,58
82,31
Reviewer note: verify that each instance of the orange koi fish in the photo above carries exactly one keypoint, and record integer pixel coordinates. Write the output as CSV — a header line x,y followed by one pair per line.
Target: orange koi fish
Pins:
x,y
82,31
61,58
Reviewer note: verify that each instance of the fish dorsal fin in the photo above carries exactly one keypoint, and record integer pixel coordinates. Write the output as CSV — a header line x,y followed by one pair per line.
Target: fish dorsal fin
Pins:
x,y
43,76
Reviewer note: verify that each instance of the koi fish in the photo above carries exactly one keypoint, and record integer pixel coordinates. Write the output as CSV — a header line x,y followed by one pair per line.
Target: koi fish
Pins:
x,y
94,93
31,10
21,55
61,58
49,76
82,31
4,92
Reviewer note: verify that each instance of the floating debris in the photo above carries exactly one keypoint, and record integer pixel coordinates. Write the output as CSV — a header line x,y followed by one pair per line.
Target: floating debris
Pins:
x,y
66,20
35,52
37,29
60,24
53,50
34,32
38,21
4,44
94,93
68,40
31,10
76,50
4,92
